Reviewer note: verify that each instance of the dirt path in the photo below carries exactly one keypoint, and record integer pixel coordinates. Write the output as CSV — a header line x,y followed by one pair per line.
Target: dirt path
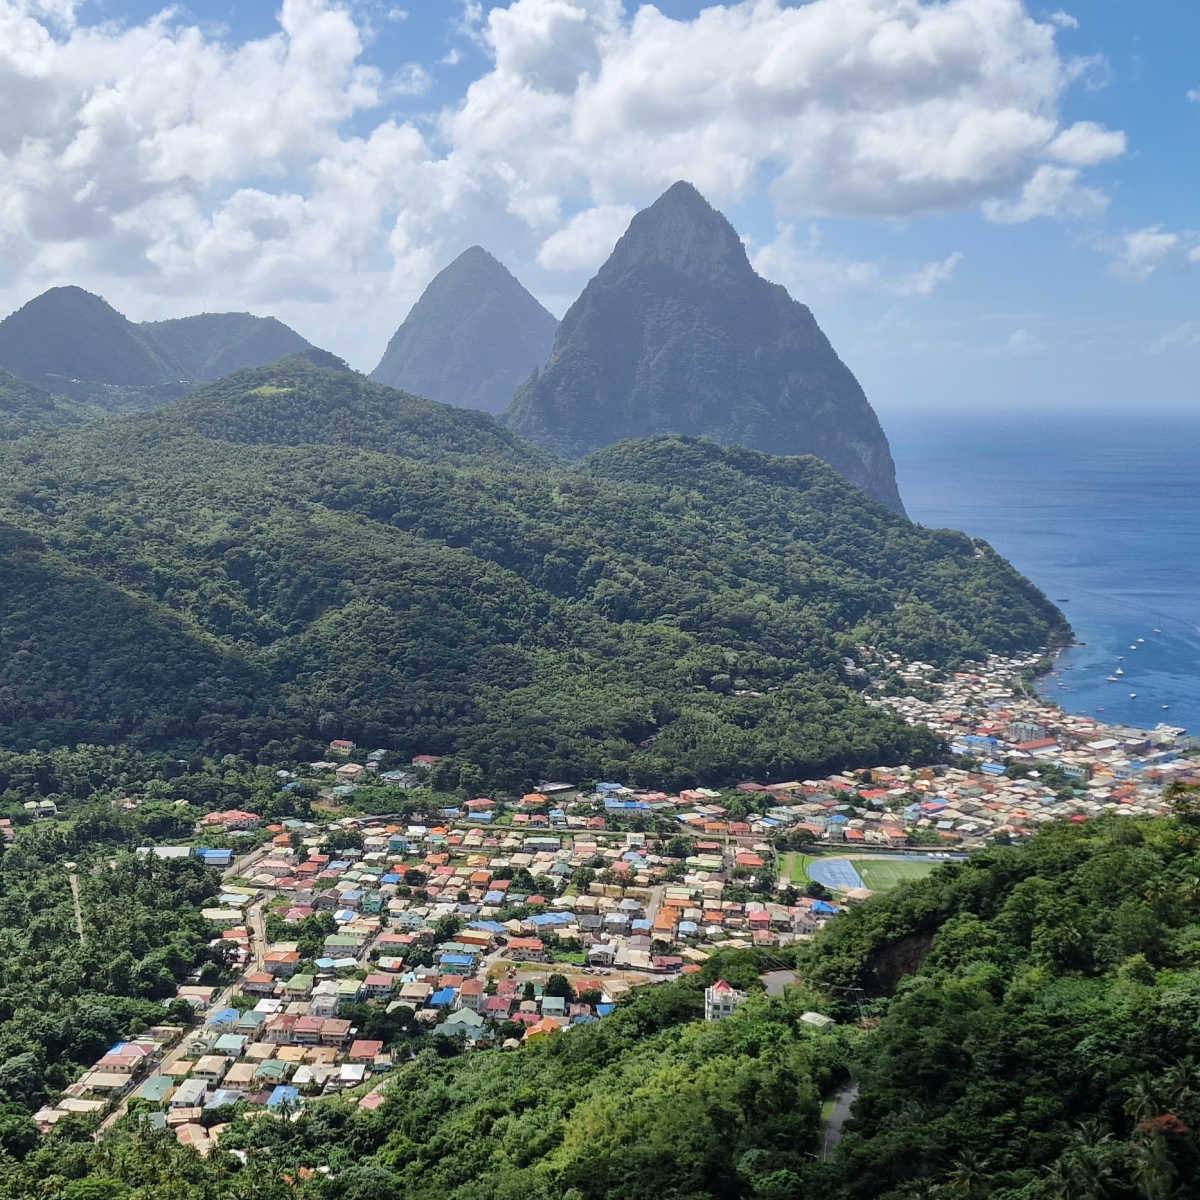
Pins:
x,y
73,879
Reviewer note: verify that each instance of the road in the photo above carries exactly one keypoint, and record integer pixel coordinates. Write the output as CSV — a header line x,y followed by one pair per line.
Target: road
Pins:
x,y
776,981
843,1101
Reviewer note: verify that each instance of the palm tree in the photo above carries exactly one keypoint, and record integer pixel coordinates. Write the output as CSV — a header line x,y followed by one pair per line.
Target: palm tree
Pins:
x,y
968,1173
1141,1102
1153,1170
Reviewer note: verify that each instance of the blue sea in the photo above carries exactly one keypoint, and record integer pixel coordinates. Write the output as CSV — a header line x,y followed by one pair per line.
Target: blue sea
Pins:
x,y
1103,514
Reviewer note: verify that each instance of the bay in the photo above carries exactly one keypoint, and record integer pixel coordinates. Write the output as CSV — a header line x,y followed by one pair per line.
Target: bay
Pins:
x,y
1103,514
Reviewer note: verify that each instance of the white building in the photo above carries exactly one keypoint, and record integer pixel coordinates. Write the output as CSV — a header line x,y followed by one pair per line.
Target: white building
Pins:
x,y
721,1001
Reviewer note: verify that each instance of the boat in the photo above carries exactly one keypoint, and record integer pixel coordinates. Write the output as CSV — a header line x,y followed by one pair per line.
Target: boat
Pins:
x,y
1120,670
1157,631
1112,679
1133,647
1165,706
1133,695
1141,639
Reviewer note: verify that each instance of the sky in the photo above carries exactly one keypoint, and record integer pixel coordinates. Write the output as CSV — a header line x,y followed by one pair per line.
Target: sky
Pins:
x,y
989,205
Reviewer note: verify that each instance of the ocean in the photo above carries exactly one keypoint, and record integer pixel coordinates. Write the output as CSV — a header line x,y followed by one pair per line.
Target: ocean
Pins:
x,y
1103,514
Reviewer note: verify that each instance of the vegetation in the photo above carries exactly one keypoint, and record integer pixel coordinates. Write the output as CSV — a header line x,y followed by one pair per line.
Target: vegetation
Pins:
x,y
1047,1044
66,997
25,410
648,1103
76,345
1021,1026
296,554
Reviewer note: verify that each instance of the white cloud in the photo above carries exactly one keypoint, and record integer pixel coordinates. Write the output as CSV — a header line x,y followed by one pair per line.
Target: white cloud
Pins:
x,y
1085,144
807,269
1022,344
1193,95
1049,192
1064,20
586,240
1140,253
158,159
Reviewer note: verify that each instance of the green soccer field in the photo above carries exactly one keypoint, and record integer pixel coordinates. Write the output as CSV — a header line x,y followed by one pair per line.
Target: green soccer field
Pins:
x,y
882,875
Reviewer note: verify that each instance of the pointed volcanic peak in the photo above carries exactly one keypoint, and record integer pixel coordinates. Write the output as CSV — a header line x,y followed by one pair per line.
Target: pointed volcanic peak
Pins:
x,y
678,334
471,339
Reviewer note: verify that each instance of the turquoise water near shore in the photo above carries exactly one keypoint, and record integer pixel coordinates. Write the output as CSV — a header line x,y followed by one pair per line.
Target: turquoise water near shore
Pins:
x,y
1103,514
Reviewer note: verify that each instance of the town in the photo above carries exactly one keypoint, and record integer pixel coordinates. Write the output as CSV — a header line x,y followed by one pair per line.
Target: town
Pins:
x,y
498,921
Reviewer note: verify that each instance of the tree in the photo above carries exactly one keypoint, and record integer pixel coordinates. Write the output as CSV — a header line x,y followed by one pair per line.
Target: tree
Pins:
x,y
558,985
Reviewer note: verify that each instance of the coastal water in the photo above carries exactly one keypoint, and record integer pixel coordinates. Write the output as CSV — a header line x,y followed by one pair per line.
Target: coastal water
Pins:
x,y
1103,513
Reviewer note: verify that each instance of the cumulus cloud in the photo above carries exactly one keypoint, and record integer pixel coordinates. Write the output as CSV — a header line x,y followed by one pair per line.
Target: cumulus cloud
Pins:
x,y
278,170
587,238
1085,144
1141,252
806,268
1049,192
869,107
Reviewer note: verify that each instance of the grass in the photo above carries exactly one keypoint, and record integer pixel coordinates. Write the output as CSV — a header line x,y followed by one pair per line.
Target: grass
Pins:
x,y
795,866
883,875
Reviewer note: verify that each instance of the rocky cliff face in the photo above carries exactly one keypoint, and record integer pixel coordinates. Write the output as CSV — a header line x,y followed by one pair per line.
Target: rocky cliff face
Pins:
x,y
471,339
677,334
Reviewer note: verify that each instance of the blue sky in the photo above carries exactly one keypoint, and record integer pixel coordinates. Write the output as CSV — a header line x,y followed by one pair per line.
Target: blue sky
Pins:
x,y
986,203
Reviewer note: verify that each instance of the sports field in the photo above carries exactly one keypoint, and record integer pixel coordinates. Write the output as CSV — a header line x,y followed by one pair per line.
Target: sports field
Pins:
x,y
795,866
882,874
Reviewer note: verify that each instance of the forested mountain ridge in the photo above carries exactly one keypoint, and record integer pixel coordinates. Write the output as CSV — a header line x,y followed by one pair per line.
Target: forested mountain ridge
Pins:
x,y
334,557
26,410
474,335
72,343
676,333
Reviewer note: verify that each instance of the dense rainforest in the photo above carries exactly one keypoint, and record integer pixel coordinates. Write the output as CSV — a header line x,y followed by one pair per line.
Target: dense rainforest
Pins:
x,y
296,553
1021,1026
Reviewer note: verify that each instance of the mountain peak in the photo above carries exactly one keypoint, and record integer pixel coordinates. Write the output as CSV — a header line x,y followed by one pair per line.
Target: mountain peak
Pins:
x,y
677,334
470,340
681,230
69,341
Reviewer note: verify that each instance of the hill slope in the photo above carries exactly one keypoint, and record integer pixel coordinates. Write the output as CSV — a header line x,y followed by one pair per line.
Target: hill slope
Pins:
x,y
1047,1048
411,574
473,336
25,409
211,345
74,344
677,334
69,341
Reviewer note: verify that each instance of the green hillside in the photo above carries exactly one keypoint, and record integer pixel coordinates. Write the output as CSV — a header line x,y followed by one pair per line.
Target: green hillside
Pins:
x,y
1020,1027
331,557
26,410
